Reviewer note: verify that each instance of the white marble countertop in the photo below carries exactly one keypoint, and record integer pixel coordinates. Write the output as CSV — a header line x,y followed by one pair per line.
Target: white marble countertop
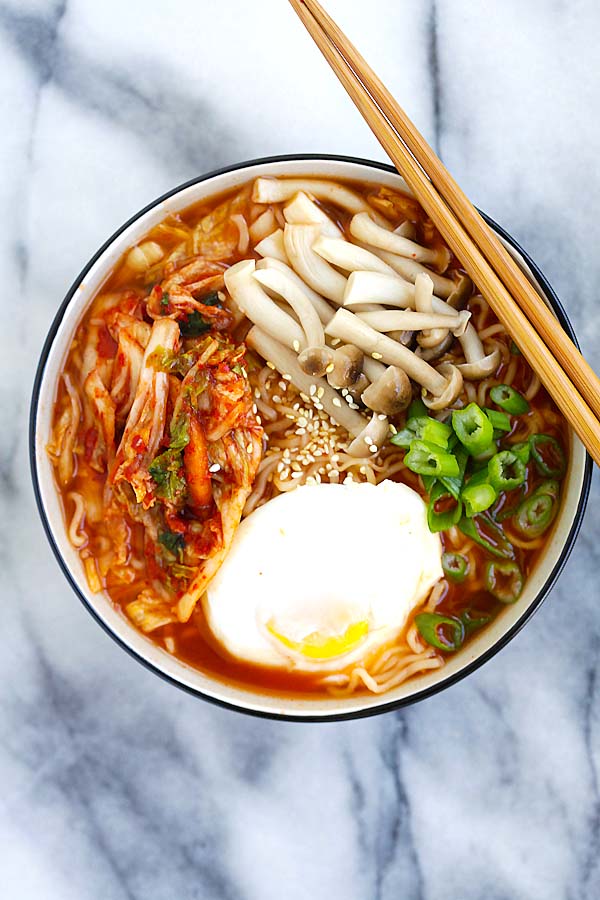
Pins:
x,y
114,784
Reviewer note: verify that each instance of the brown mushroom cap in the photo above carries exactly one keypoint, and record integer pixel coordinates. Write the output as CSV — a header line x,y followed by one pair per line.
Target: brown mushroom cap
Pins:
x,y
315,360
431,353
454,383
390,394
347,366
459,297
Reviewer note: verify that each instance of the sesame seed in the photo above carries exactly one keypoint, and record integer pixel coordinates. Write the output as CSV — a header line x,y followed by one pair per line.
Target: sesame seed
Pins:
x,y
336,401
270,364
287,377
320,392
313,389
257,393
296,474
249,448
335,342
373,448
276,398
393,429
381,417
376,355
329,368
296,346
301,431
302,422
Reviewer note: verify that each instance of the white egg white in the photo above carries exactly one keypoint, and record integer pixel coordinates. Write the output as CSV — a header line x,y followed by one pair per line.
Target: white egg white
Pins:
x,y
319,577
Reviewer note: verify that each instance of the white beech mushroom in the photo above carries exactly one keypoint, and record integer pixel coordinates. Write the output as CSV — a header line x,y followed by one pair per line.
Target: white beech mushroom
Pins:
x,y
273,245
274,190
350,328
286,363
312,268
387,320
350,257
407,230
424,304
390,394
249,296
461,294
262,227
377,287
316,357
372,368
477,364
371,438
454,385
301,210
409,269
364,229
324,310
347,366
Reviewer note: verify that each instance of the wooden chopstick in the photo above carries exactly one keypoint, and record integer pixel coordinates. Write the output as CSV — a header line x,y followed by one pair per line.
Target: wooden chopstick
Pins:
x,y
557,382
579,370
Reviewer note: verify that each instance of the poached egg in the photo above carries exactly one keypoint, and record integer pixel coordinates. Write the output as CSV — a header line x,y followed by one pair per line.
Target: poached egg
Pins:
x,y
318,578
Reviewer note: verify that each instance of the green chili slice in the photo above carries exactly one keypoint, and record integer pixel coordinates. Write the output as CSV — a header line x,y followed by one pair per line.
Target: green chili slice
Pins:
x,y
522,451
550,487
548,455
444,632
444,510
454,484
430,430
416,409
500,421
473,428
403,438
477,497
506,471
505,396
455,566
484,531
504,581
427,459
535,515
472,620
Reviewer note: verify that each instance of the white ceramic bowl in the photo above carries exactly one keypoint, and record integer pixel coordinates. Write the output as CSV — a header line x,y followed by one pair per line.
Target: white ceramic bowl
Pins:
x,y
476,652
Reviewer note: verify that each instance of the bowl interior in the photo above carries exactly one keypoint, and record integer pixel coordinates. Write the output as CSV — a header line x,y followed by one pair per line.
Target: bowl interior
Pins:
x,y
477,650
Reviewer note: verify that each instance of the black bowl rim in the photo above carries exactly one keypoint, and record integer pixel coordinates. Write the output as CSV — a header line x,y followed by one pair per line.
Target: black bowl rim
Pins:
x,y
337,716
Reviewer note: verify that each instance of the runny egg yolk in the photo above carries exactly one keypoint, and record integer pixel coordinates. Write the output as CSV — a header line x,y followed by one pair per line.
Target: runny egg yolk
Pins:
x,y
324,646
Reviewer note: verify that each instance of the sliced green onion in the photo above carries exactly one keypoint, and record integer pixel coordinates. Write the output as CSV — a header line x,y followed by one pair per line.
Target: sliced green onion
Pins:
x,y
416,409
403,438
484,531
455,566
535,515
444,632
473,428
505,396
430,430
548,455
472,620
427,459
504,581
477,498
522,451
428,482
454,484
506,471
444,510
500,421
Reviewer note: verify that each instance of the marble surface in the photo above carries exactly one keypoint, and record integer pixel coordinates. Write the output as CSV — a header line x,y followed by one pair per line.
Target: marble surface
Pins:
x,y
113,784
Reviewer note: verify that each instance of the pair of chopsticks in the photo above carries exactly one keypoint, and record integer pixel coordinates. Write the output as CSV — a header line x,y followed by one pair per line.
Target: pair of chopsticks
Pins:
x,y
568,378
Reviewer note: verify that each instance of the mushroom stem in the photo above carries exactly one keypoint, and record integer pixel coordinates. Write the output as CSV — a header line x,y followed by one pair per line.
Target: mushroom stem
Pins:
x,y
349,256
377,287
471,344
407,230
387,320
301,210
286,363
274,190
324,310
273,245
315,359
249,296
424,304
371,438
350,328
364,229
323,278
409,269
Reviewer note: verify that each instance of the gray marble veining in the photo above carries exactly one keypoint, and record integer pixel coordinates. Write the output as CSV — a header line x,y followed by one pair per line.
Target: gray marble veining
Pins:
x,y
113,784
